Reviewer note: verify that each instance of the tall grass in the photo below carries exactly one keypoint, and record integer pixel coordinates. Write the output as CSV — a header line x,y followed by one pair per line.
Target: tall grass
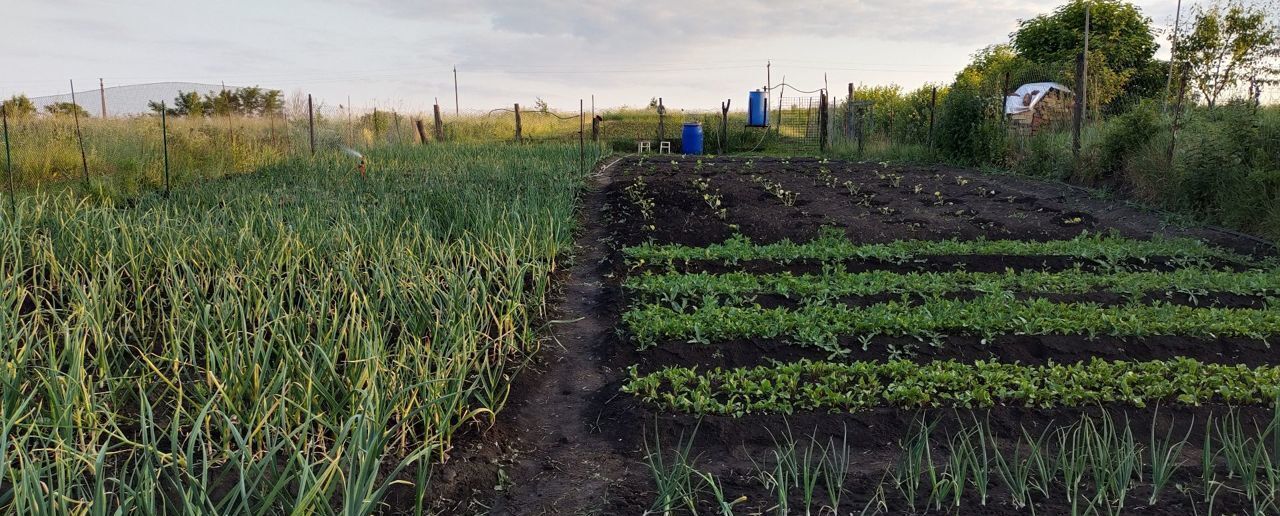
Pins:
x,y
125,156
1224,169
294,340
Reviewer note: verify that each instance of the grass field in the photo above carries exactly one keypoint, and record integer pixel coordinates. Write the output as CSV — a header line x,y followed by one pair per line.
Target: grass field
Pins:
x,y
292,340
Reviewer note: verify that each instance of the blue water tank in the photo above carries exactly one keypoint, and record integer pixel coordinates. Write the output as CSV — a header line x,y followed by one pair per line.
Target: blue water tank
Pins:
x,y
691,138
757,113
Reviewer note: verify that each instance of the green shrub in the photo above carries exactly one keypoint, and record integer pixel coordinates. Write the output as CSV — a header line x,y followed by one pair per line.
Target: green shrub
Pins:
x,y
1124,135
969,128
1046,155
1216,153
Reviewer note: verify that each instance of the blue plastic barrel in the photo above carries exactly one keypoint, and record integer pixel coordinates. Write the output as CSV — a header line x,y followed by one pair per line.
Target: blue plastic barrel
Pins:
x,y
757,115
691,138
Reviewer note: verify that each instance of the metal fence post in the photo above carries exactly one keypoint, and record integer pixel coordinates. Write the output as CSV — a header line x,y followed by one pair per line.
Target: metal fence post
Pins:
x,y
164,138
311,123
75,113
8,163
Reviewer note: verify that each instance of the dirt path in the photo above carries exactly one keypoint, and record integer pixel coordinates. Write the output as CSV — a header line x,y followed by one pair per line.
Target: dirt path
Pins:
x,y
565,465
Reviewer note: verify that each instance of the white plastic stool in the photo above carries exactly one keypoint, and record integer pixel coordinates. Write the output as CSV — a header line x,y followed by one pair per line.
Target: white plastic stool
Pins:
x,y
664,147
644,146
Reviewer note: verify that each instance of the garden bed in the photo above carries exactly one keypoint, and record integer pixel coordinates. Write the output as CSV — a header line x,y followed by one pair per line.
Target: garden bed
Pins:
x,y
789,325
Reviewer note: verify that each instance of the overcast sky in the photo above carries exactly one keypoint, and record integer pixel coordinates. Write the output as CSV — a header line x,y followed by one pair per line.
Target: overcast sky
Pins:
x,y
398,54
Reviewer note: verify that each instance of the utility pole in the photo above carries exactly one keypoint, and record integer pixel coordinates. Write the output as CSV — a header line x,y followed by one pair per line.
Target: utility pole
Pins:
x,y
1082,84
1173,55
456,110
102,92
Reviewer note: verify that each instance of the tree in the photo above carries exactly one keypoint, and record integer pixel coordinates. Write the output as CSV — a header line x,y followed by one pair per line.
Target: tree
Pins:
x,y
189,103
19,106
157,108
991,64
66,108
1117,29
541,106
1227,43
248,101
272,103
1121,44
969,128
222,103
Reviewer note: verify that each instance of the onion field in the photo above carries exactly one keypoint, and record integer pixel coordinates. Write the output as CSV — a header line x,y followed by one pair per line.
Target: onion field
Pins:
x,y
297,340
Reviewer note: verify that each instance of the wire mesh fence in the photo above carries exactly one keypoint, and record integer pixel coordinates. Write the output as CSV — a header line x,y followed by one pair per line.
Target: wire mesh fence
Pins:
x,y
798,122
46,147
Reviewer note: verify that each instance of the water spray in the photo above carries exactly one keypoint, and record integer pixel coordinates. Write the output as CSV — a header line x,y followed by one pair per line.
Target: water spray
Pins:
x,y
353,153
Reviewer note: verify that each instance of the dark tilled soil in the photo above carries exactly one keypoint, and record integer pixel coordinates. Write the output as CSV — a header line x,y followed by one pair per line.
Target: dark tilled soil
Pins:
x,y
570,443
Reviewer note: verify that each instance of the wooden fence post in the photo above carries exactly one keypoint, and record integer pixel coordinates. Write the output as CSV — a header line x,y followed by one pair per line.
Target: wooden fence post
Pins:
x,y
1082,82
595,128
422,131
582,136
857,127
662,114
399,136
1177,116
439,125
1077,121
848,114
518,136
822,120
724,124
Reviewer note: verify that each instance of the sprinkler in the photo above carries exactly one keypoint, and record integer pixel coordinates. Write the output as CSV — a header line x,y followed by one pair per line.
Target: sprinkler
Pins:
x,y
362,164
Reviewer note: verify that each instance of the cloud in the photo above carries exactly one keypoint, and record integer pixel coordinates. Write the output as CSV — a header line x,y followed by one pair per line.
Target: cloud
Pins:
x,y
512,49
632,23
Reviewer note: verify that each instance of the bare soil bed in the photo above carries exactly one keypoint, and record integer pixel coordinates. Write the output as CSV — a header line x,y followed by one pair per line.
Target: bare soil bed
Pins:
x,y
573,444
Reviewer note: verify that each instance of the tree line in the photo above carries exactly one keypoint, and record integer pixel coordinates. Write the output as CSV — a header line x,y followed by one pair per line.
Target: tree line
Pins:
x,y
19,106
251,101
